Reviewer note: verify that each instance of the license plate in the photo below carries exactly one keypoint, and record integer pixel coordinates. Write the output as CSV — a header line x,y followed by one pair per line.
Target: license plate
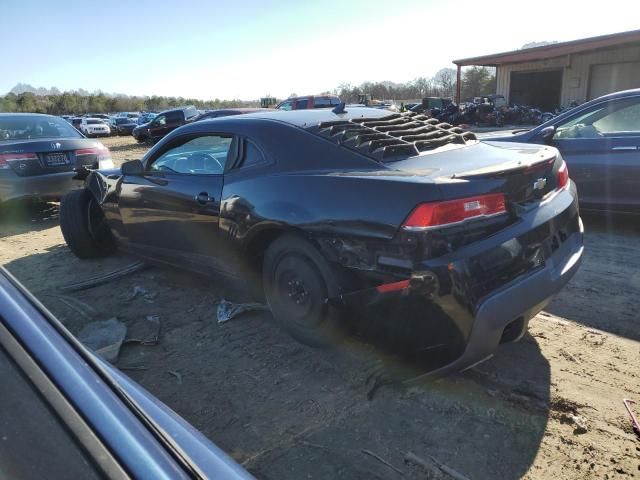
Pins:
x,y
57,159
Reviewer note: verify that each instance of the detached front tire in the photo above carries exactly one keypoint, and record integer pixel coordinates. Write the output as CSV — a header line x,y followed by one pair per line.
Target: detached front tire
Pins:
x,y
297,281
84,227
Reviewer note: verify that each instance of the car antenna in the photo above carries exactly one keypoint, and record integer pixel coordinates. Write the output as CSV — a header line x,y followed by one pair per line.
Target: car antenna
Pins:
x,y
340,108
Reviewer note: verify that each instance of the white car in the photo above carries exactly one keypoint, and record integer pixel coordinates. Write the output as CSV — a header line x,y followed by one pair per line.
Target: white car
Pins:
x,y
94,127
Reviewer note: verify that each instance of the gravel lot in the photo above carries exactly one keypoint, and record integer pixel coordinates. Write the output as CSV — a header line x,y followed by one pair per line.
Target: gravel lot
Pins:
x,y
549,406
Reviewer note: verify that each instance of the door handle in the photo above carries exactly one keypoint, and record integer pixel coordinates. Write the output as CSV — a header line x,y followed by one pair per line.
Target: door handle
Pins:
x,y
203,198
630,147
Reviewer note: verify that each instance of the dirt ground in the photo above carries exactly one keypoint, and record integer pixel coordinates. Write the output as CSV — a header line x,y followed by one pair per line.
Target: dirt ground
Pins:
x,y
549,406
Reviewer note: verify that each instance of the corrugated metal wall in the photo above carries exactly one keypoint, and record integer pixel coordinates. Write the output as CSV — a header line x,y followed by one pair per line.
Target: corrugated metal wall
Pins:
x,y
576,67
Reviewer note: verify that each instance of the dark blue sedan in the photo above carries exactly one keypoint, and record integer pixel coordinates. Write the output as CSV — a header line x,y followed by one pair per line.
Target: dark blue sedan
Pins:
x,y
65,413
600,141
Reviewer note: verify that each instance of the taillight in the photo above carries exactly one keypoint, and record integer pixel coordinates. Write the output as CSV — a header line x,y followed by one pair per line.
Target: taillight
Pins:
x,y
438,214
5,158
101,152
562,177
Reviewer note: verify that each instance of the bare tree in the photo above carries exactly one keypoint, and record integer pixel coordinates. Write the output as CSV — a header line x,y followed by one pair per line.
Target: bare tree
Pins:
x,y
445,79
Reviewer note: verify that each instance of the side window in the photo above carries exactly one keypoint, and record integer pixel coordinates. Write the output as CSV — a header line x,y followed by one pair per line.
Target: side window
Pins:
x,y
624,120
322,102
252,155
326,102
288,105
206,155
173,117
302,104
616,117
160,120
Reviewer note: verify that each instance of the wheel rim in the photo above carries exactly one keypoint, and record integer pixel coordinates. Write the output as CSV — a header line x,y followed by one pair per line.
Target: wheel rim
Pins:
x,y
299,291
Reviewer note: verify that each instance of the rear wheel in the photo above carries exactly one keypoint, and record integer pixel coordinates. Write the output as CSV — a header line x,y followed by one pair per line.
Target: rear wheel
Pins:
x,y
297,281
84,227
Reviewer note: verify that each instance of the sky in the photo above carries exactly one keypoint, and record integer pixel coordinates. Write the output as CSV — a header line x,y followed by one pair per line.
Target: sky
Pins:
x,y
247,49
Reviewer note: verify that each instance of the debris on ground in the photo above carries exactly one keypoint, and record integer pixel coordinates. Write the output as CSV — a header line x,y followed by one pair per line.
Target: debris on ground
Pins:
x,y
74,304
228,310
144,331
105,278
178,375
104,337
133,367
569,356
382,460
148,296
577,421
433,468
634,421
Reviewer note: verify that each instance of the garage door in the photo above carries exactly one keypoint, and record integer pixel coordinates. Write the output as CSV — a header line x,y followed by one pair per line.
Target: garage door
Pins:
x,y
536,89
612,77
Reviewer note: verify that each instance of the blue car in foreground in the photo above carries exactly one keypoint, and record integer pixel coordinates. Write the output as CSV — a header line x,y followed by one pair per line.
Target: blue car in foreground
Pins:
x,y
600,141
66,414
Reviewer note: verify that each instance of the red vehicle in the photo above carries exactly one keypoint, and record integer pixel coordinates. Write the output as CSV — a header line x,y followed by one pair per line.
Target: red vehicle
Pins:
x,y
309,101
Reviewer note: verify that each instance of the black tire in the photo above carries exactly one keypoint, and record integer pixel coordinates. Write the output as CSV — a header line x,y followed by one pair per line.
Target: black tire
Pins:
x,y
84,227
297,279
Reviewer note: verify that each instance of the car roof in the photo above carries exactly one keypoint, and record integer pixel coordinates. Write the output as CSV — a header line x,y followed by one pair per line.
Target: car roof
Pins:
x,y
310,117
621,93
572,111
177,109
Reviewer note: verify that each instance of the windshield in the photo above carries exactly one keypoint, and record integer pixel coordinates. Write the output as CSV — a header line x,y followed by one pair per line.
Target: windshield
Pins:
x,y
18,127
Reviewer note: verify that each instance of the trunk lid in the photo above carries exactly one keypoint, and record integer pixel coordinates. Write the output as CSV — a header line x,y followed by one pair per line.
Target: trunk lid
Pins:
x,y
523,172
45,156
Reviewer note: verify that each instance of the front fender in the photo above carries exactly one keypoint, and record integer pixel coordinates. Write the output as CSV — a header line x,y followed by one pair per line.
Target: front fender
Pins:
x,y
103,183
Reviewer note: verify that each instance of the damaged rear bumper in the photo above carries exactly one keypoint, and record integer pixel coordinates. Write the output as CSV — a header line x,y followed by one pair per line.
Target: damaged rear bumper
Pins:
x,y
485,293
504,316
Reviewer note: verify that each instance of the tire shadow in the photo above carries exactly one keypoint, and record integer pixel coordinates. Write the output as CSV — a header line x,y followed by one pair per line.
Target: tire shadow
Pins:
x,y
485,423
17,217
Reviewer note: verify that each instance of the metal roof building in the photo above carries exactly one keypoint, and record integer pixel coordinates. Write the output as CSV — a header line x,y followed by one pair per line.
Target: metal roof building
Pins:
x,y
560,73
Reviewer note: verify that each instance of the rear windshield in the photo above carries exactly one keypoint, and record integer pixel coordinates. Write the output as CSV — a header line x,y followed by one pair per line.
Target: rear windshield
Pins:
x,y
21,127
190,112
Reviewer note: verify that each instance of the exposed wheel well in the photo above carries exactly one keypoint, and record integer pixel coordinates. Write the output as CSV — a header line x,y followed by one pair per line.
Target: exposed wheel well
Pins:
x,y
259,243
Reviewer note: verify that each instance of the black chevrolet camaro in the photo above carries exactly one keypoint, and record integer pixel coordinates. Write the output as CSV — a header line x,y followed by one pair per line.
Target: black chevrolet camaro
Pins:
x,y
339,211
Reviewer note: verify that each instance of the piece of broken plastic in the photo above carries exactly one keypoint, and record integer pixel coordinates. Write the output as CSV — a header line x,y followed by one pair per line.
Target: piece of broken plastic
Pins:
x,y
145,331
228,310
104,337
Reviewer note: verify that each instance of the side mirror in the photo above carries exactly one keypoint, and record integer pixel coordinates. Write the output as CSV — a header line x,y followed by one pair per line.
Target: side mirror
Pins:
x,y
132,167
547,133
